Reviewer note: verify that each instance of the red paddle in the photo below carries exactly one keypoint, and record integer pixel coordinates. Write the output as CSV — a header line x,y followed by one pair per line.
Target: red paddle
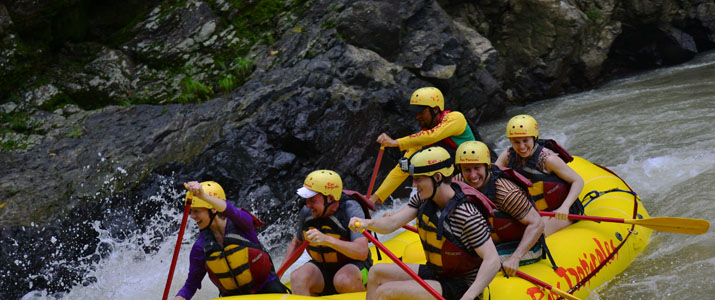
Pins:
x,y
187,209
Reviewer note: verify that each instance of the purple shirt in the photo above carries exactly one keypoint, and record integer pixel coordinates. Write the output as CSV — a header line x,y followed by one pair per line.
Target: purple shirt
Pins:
x,y
197,270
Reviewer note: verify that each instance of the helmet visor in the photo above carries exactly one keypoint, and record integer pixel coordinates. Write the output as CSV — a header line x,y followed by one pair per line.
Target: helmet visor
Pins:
x,y
414,109
306,192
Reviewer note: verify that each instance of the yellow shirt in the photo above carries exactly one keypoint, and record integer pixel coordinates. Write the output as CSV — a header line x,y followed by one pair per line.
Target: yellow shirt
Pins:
x,y
453,124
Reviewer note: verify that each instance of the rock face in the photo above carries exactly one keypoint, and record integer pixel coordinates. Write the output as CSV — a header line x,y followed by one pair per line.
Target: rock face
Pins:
x,y
100,104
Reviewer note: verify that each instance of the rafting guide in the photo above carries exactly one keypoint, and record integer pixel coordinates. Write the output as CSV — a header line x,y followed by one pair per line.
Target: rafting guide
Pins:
x,y
445,128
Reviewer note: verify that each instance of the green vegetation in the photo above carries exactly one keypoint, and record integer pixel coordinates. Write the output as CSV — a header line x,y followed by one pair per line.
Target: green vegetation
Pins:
x,y
19,122
76,132
232,77
593,14
194,91
255,19
12,144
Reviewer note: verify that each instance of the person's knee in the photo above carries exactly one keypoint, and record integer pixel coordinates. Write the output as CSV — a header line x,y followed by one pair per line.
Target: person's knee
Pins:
x,y
348,282
383,292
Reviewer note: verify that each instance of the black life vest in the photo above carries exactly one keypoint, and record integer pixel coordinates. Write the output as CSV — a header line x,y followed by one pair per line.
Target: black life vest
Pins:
x,y
548,190
240,267
336,225
446,255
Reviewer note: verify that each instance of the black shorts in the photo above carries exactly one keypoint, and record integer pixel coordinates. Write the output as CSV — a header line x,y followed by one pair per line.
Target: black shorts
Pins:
x,y
452,288
329,288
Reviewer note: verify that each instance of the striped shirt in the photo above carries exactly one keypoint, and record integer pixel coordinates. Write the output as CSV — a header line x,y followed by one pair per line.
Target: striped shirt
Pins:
x,y
511,199
467,225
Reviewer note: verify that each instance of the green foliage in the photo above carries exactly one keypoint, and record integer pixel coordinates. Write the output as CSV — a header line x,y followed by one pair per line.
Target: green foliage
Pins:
x,y
256,18
243,67
236,75
228,83
76,132
329,23
19,122
12,144
593,14
194,91
57,101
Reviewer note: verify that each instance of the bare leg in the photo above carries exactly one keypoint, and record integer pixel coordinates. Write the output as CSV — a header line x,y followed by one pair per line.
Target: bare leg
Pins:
x,y
408,289
551,225
348,280
307,280
383,274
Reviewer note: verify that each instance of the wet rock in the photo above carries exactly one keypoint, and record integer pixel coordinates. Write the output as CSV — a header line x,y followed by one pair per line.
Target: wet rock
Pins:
x,y
374,25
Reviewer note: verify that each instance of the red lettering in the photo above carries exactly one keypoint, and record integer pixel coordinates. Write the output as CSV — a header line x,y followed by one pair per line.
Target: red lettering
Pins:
x,y
562,273
533,292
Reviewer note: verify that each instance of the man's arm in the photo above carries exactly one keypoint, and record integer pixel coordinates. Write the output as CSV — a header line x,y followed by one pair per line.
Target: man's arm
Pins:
x,y
487,271
534,229
453,124
356,249
386,224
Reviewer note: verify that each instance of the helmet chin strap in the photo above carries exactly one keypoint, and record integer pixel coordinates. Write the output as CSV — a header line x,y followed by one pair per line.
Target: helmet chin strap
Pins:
x,y
212,216
435,184
325,205
433,114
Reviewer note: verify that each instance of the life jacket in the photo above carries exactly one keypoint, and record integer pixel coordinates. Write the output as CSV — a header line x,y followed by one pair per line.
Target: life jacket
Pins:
x,y
548,190
240,267
451,143
446,255
336,225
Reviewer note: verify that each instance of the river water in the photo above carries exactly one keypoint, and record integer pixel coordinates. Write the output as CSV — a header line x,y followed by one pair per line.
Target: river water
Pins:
x,y
655,130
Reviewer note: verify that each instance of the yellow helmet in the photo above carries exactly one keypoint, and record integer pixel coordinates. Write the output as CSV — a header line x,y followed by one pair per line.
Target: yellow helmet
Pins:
x,y
428,96
473,152
522,126
432,160
326,182
210,187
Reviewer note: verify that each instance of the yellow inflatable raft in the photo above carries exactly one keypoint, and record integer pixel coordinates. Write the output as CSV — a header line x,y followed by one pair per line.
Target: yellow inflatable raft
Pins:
x,y
587,253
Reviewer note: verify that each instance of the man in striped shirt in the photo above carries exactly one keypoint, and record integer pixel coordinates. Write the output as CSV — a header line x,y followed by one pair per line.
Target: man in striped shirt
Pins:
x,y
461,257
517,235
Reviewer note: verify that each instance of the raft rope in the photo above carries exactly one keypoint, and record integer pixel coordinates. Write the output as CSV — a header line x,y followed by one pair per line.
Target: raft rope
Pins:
x,y
596,194
592,195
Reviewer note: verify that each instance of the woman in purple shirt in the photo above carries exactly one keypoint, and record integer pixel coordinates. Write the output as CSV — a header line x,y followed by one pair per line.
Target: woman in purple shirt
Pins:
x,y
227,248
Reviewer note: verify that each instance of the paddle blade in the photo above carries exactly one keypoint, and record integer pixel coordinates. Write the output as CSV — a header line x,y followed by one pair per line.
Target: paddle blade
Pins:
x,y
564,294
673,224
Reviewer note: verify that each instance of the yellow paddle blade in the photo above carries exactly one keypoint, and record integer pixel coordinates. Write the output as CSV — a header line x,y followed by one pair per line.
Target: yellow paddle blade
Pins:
x,y
564,294
672,224
2,205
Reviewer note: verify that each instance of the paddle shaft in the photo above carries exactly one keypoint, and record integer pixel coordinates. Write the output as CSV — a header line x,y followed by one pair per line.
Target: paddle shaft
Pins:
x,y
187,209
374,171
546,285
668,224
402,265
525,276
293,257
